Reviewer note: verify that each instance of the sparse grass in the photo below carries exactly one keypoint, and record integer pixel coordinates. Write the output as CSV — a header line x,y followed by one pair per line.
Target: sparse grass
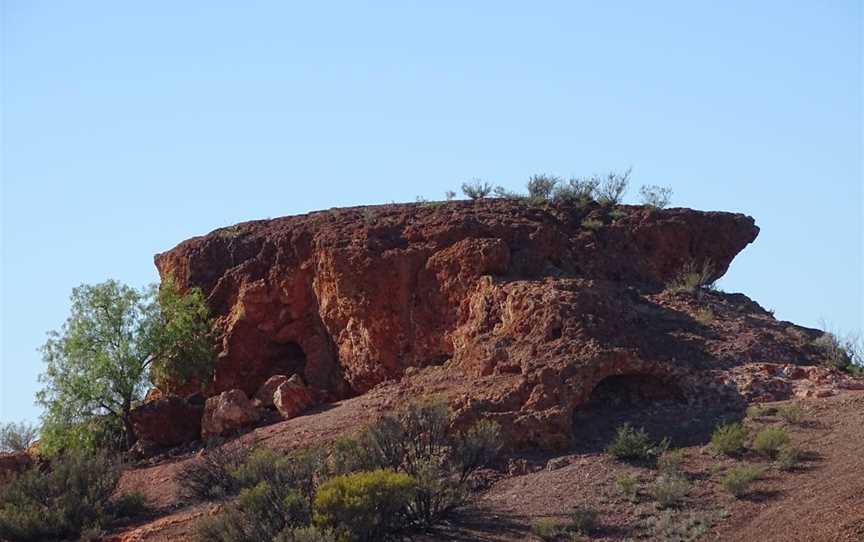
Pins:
x,y
592,224
547,529
770,440
788,458
729,439
669,462
693,278
628,485
680,526
760,411
229,232
738,479
669,491
792,413
617,213
705,316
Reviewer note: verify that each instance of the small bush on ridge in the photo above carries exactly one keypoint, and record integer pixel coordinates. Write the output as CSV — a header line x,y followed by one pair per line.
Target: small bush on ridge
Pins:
x,y
693,278
788,458
630,444
655,196
729,439
476,189
792,413
737,481
610,189
770,440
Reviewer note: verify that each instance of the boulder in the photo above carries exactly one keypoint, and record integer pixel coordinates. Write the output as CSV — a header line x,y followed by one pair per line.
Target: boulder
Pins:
x,y
167,421
292,398
226,412
265,392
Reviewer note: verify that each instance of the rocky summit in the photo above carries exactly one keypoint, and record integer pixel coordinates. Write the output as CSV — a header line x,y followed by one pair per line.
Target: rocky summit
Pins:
x,y
515,312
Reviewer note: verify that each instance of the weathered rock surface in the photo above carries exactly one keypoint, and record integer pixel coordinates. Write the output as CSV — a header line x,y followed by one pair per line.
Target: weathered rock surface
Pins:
x,y
227,412
166,421
267,389
291,398
532,313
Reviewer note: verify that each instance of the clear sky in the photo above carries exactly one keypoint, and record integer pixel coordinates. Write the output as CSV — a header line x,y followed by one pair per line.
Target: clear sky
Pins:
x,y
130,126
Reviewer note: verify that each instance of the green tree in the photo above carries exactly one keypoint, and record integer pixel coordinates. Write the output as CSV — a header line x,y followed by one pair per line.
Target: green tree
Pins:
x,y
99,362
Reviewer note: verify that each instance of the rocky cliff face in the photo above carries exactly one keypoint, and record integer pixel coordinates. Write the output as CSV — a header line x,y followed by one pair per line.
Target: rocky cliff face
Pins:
x,y
531,309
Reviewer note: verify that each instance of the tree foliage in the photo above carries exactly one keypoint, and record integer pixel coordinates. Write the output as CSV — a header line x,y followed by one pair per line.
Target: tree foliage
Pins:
x,y
115,340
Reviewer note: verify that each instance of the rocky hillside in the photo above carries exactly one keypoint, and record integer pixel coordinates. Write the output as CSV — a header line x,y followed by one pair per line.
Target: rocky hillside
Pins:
x,y
531,312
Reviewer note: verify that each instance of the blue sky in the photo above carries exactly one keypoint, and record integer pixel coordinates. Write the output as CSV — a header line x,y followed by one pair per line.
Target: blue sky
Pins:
x,y
130,126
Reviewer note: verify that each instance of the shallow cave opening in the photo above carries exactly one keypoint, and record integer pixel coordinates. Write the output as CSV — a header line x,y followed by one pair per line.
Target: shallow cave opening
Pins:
x,y
283,359
632,391
646,401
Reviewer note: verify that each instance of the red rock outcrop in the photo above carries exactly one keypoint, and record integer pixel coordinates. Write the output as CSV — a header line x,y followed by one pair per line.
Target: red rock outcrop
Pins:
x,y
13,464
166,421
531,308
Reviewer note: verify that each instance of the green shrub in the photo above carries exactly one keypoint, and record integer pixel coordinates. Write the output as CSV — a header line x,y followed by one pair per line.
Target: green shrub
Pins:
x,y
300,471
592,224
541,187
211,477
655,196
419,443
131,505
729,439
477,447
583,521
476,189
770,440
737,481
788,458
628,485
630,444
365,506
260,513
61,502
760,411
306,534
792,413
669,491
547,529
577,191
17,437
616,214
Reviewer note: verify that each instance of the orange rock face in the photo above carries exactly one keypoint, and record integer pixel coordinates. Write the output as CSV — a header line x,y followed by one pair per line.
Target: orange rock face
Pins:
x,y
531,308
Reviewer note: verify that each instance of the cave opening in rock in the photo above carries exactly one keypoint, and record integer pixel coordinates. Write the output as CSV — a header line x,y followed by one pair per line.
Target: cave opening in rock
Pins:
x,y
283,359
632,391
